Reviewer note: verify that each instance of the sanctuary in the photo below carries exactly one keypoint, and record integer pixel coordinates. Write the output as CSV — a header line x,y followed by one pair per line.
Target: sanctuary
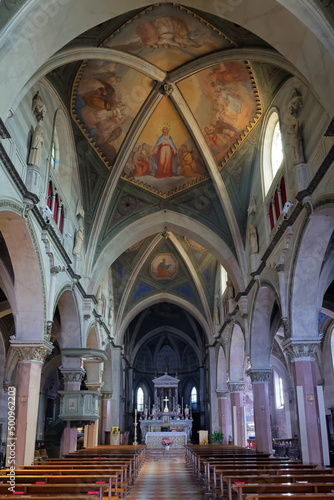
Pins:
x,y
167,416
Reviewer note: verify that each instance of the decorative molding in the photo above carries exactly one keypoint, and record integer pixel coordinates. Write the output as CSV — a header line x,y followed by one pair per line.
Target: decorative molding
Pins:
x,y
259,376
4,134
302,349
236,386
31,351
96,387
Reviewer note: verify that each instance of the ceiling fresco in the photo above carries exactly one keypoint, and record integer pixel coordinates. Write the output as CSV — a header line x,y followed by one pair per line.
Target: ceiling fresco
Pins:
x,y
165,159
106,98
168,36
226,104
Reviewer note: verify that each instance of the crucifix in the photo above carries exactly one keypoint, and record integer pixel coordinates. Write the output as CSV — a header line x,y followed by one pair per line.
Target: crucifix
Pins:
x,y
166,407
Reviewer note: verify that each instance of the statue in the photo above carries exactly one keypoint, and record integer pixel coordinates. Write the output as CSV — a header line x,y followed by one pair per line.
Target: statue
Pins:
x,y
293,130
186,411
79,211
79,236
36,147
230,291
252,237
38,107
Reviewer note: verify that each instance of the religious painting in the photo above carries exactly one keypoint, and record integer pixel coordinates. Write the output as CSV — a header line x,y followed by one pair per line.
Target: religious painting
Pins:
x,y
164,266
193,244
165,159
225,103
167,36
99,93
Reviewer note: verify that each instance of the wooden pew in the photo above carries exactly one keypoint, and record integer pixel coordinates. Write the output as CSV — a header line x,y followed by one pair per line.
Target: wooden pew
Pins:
x,y
96,491
266,488
290,496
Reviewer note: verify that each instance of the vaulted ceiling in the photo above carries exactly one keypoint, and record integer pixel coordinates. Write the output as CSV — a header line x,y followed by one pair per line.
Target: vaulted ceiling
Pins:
x,y
166,106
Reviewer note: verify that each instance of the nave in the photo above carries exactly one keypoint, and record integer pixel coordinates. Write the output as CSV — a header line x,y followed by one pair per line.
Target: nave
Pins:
x,y
166,476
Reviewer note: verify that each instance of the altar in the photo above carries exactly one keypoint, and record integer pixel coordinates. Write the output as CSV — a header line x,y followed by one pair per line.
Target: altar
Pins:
x,y
166,424
154,439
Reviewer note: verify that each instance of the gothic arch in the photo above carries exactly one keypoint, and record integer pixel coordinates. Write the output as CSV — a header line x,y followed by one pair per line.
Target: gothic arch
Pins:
x,y
237,355
261,337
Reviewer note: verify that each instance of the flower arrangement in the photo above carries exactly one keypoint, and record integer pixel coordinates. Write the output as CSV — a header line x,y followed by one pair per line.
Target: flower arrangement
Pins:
x,y
205,441
167,442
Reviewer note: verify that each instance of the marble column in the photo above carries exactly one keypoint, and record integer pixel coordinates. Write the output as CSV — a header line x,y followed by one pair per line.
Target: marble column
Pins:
x,y
302,354
238,413
116,414
31,355
224,414
72,382
260,382
105,415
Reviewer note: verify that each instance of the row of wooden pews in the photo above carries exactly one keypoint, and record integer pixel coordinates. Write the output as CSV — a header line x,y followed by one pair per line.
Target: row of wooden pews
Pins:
x,y
99,473
230,472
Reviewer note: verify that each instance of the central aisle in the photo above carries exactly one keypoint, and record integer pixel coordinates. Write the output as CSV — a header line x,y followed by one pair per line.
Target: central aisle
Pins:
x,y
165,477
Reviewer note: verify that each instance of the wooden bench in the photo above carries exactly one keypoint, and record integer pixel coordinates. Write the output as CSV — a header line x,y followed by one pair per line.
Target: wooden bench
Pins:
x,y
266,488
92,489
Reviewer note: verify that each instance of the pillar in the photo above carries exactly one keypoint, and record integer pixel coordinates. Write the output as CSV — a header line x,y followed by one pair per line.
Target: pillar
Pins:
x,y
260,382
31,356
224,414
106,417
238,414
91,437
72,382
115,406
310,409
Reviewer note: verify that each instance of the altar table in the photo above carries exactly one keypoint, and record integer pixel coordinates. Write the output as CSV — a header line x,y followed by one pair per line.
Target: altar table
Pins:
x,y
153,439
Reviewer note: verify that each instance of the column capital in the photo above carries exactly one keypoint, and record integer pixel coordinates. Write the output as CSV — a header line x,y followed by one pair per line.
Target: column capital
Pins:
x,y
302,349
106,395
32,350
222,393
238,386
94,386
259,375
72,375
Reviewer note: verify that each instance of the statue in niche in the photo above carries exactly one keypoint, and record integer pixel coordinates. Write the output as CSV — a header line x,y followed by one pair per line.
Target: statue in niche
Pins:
x,y
230,290
38,107
79,211
216,311
293,131
36,147
79,237
111,312
252,237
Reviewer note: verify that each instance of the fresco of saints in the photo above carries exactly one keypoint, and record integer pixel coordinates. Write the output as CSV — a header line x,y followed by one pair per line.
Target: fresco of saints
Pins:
x,y
163,269
164,157
141,162
187,163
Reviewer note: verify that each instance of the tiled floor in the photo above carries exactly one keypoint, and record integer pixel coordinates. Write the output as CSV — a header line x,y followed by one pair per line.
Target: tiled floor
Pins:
x,y
165,478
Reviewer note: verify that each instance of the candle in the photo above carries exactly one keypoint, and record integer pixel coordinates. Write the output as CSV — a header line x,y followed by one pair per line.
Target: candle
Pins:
x,y
136,415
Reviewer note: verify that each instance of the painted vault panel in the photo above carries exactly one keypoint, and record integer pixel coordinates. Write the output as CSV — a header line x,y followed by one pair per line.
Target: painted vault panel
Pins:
x,y
167,36
165,159
105,99
226,104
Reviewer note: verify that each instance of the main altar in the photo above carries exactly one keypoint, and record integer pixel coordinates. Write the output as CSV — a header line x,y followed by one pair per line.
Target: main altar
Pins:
x,y
168,417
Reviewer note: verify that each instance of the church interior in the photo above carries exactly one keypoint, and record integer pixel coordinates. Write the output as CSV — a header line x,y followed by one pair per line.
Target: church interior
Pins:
x,y
167,225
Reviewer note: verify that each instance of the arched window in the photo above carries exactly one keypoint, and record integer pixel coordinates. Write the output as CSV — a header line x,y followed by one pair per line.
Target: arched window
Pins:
x,y
193,398
279,392
272,150
140,399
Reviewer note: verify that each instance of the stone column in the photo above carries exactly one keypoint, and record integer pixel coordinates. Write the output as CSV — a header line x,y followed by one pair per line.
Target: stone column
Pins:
x,y
260,382
31,356
238,413
302,354
105,415
224,414
72,382
115,407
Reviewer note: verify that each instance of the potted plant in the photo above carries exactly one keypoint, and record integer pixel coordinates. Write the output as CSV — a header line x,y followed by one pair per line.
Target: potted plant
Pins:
x,y
216,437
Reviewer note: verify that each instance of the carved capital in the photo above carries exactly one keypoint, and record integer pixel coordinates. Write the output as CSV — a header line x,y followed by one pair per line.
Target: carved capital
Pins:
x,y
236,386
259,376
31,351
302,349
94,386
72,375
222,394
107,395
